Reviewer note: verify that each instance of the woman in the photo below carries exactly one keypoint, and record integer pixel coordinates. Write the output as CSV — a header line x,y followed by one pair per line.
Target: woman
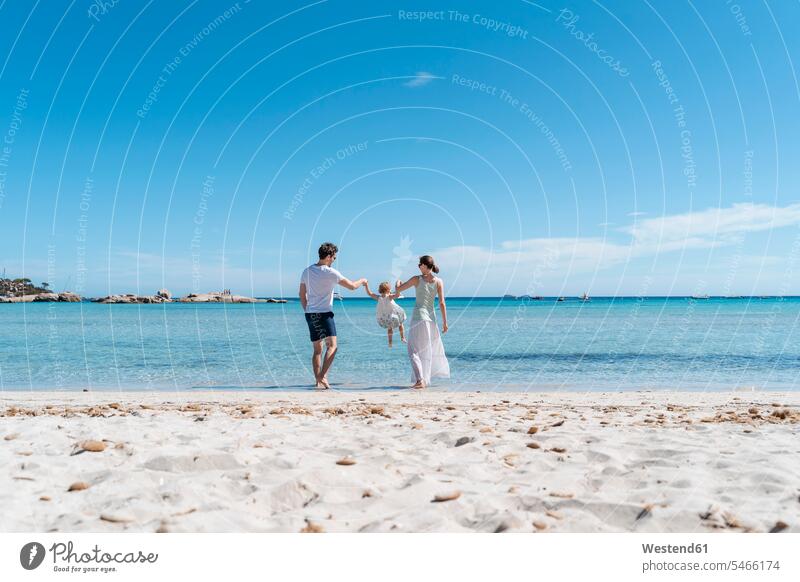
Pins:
x,y
425,347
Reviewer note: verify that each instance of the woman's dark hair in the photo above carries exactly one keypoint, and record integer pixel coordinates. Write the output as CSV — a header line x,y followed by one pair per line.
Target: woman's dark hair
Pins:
x,y
327,249
428,261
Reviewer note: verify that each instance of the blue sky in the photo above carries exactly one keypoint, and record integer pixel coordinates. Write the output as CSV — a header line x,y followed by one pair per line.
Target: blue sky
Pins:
x,y
548,148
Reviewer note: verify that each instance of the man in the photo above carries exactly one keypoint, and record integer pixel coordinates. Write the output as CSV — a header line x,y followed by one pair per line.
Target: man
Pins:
x,y
316,296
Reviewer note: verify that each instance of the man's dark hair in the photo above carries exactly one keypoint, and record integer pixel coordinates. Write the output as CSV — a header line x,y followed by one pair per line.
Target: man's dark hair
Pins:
x,y
327,249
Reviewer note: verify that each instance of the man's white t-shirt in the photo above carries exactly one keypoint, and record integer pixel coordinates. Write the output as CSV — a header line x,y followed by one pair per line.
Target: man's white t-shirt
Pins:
x,y
320,282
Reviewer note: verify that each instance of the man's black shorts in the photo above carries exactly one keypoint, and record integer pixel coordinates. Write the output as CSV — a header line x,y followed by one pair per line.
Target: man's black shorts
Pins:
x,y
320,325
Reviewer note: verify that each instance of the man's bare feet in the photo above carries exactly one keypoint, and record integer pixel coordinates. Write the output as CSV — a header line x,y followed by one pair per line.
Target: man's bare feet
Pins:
x,y
419,385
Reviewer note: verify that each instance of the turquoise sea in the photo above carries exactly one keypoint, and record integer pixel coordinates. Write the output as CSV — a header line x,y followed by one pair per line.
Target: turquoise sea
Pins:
x,y
493,344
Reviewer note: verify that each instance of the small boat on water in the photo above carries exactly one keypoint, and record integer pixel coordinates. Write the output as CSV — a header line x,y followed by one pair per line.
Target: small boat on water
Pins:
x,y
560,299
700,297
530,297
585,297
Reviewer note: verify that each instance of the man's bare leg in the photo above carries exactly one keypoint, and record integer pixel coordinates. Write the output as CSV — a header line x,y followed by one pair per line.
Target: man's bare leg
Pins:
x,y
316,363
330,353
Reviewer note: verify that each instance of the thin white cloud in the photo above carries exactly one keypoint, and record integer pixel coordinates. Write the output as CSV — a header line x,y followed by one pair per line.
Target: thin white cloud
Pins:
x,y
421,79
556,260
713,226
635,214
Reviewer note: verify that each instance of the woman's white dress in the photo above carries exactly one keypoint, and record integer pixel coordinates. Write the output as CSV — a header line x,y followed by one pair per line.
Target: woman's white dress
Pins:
x,y
389,314
425,348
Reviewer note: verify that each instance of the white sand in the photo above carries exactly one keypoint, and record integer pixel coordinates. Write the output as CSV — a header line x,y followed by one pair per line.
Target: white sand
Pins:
x,y
636,461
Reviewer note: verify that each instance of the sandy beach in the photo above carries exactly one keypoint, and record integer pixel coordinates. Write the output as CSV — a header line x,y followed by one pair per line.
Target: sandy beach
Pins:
x,y
400,462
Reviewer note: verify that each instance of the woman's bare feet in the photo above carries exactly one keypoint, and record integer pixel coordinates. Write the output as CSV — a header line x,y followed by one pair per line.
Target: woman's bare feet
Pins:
x,y
419,385
322,384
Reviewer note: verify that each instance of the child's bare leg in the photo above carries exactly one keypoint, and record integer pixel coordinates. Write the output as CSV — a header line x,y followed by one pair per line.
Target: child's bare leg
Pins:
x,y
389,333
402,333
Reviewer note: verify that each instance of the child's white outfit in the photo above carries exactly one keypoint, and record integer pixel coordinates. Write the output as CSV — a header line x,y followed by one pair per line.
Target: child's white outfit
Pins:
x,y
389,314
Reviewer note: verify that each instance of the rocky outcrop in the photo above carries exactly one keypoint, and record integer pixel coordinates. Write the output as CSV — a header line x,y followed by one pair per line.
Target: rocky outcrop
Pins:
x,y
18,299
64,297
164,296
161,296
218,297
131,298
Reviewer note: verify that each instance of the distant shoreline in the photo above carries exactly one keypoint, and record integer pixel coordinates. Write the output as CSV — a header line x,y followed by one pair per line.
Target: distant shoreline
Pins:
x,y
543,299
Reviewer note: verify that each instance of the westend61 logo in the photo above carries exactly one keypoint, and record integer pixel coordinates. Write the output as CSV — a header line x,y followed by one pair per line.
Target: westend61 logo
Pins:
x,y
65,559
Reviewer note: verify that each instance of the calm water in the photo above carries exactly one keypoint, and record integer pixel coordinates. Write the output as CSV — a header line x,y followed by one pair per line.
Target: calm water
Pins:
x,y
492,344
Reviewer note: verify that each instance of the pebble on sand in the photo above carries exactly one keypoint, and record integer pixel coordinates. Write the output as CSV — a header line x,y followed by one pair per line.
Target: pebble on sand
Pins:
x,y
115,518
93,446
779,527
78,486
346,461
452,496
312,527
553,514
645,512
533,430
